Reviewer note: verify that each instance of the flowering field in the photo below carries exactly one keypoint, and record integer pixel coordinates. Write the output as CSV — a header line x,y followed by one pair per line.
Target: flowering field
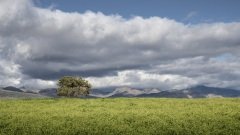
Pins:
x,y
119,116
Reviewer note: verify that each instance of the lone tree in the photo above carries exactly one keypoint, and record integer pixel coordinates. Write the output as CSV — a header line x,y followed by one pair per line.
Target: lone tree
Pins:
x,y
73,86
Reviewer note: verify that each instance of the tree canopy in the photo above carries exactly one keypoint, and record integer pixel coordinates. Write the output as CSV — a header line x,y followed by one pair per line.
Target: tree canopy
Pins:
x,y
73,86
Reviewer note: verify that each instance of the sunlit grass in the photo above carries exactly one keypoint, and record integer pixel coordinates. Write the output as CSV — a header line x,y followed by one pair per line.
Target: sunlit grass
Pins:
x,y
120,116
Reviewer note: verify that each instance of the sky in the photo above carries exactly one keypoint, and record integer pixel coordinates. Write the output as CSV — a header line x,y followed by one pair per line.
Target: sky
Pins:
x,y
138,43
186,11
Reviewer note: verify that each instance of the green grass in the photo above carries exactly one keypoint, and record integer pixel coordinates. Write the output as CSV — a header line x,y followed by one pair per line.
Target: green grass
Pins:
x,y
120,116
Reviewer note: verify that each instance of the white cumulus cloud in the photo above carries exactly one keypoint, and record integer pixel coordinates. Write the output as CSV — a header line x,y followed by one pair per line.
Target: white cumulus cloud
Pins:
x,y
42,44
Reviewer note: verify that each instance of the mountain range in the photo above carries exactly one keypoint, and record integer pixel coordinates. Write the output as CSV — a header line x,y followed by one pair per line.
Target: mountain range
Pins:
x,y
111,92
13,92
192,92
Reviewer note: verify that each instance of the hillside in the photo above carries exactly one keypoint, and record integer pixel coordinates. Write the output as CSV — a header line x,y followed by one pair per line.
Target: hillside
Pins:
x,y
196,92
15,94
192,92
51,92
11,88
114,92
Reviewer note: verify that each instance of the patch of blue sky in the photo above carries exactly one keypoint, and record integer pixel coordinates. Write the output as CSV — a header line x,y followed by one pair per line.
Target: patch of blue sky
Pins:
x,y
186,11
224,57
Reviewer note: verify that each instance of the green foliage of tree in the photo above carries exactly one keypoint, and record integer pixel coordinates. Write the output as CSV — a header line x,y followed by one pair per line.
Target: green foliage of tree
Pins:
x,y
73,86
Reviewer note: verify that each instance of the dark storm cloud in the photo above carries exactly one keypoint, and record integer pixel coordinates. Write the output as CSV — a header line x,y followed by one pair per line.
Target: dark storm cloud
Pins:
x,y
34,71
46,44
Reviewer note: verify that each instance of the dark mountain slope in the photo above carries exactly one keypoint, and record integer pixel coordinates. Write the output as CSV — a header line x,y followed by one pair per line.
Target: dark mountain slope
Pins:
x,y
11,88
14,94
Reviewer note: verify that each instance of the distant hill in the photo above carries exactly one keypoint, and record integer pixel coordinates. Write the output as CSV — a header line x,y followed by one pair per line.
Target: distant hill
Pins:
x,y
204,91
11,88
121,92
196,92
111,92
51,92
192,92
165,94
16,94
125,92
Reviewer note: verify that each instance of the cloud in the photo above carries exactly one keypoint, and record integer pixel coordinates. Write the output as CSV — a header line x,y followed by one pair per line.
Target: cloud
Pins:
x,y
9,73
190,15
45,44
143,79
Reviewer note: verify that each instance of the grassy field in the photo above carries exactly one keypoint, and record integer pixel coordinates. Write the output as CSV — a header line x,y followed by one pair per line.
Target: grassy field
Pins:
x,y
120,116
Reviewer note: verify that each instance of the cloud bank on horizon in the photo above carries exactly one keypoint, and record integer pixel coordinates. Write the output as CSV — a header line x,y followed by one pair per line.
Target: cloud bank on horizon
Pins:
x,y
39,45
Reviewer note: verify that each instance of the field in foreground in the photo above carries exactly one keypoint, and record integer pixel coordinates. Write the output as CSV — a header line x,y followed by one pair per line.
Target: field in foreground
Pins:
x,y
120,116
